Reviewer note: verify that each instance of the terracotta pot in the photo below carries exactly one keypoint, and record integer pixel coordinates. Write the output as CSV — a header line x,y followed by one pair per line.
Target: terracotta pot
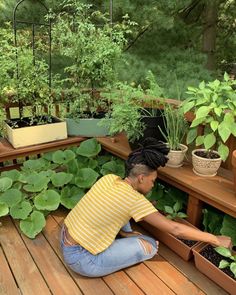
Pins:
x,y
203,166
176,158
234,167
211,271
171,241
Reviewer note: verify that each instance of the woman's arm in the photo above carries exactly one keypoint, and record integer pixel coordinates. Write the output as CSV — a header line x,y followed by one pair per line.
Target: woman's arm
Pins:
x,y
186,232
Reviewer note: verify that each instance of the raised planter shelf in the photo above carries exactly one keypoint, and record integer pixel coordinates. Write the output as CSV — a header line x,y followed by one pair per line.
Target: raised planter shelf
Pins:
x,y
217,191
7,152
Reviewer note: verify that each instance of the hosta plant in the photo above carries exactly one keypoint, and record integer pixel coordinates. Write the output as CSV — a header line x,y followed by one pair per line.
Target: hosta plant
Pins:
x,y
214,107
57,178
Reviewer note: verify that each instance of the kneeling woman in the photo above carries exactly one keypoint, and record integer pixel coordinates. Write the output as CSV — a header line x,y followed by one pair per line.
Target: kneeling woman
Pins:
x,y
89,235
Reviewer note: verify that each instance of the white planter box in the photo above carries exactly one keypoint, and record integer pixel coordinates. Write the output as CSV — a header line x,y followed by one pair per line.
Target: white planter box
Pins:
x,y
32,135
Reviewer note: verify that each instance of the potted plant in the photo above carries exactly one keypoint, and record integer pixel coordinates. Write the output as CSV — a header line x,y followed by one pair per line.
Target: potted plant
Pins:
x,y
176,128
213,105
169,201
218,264
25,83
92,48
134,111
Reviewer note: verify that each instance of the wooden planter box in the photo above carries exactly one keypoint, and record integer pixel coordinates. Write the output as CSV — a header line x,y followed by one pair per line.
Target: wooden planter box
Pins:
x,y
213,272
171,241
85,127
32,135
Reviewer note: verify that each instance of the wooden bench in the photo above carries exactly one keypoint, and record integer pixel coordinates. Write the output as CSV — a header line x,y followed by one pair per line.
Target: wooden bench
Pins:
x,y
216,191
8,153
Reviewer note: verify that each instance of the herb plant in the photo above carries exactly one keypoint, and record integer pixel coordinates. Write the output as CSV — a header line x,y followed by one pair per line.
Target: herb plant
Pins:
x,y
231,262
176,126
174,212
214,107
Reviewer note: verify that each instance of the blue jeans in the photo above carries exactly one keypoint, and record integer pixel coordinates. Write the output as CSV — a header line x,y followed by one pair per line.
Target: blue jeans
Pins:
x,y
121,253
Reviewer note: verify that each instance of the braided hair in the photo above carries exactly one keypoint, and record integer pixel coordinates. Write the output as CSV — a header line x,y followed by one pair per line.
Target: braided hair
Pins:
x,y
151,155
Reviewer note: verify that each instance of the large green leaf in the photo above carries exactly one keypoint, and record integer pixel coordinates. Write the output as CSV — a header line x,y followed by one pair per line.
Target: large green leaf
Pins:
x,y
202,112
21,210
61,178
114,168
209,141
4,210
63,157
47,200
70,196
11,197
13,174
5,183
36,182
192,134
86,177
33,225
223,151
72,166
36,165
228,228
89,148
224,130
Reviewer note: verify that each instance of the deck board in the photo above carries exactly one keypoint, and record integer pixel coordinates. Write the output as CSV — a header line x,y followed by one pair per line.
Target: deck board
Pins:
x,y
36,267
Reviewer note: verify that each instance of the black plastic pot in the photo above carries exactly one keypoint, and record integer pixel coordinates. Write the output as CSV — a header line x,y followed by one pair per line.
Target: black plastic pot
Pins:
x,y
151,129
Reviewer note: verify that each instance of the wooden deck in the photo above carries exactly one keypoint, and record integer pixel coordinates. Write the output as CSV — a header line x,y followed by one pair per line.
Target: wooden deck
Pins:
x,y
31,267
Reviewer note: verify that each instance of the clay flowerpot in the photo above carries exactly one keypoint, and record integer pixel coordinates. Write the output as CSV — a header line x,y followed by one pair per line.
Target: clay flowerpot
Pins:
x,y
175,244
212,271
176,158
204,166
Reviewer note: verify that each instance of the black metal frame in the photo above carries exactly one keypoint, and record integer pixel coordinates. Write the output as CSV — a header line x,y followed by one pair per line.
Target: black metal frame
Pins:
x,y
34,24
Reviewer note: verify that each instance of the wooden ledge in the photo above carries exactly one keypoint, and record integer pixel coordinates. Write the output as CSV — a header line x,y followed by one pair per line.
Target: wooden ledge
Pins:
x,y
217,191
7,152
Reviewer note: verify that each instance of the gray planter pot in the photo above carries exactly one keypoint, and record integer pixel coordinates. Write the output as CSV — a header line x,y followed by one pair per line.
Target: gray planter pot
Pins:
x,y
87,127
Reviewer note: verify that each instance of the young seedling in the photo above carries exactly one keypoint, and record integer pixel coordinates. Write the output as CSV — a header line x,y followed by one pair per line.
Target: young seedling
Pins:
x,y
224,263
174,212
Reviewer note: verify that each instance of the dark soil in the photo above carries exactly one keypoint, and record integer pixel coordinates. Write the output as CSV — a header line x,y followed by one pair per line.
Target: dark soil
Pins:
x,y
207,155
210,254
189,243
29,121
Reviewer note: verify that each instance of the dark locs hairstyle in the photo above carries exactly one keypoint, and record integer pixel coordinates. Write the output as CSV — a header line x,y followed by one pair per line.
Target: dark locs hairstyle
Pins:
x,y
152,154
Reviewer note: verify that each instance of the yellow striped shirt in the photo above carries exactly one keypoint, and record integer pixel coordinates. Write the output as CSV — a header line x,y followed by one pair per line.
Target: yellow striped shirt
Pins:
x,y
97,218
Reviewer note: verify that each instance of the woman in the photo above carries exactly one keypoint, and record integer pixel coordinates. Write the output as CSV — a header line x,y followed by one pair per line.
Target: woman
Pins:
x,y
89,235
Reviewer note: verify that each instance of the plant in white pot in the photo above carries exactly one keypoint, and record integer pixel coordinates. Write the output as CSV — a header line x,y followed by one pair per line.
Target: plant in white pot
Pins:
x,y
176,128
214,107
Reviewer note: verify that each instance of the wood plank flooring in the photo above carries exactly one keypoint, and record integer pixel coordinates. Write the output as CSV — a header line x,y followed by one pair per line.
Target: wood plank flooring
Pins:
x,y
31,267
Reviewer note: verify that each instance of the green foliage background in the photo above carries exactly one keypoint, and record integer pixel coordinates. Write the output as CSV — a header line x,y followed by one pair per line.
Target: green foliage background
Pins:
x,y
167,40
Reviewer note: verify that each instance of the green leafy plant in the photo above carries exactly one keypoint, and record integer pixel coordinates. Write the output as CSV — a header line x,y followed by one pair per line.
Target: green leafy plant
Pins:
x,y
60,177
214,107
176,126
174,212
231,262
93,48
125,115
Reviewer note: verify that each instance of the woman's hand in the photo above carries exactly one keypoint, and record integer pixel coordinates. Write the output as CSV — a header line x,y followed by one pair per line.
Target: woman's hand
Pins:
x,y
224,241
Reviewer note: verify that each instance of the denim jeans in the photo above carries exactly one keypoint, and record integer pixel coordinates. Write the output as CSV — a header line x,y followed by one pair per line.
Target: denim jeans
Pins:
x,y
121,253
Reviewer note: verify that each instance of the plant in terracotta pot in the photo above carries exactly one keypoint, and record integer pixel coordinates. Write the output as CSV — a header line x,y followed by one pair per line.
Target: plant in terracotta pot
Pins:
x,y
218,264
214,107
176,128
92,48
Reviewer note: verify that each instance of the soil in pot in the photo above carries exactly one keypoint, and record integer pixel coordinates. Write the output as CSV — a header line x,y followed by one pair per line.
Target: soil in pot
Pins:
x,y
31,121
189,243
210,254
207,155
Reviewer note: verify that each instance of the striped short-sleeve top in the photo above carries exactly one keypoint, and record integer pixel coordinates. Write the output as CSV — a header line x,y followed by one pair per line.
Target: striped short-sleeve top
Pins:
x,y
97,218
